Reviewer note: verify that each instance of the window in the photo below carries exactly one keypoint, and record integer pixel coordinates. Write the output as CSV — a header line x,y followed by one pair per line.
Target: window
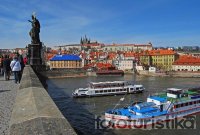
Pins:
x,y
82,90
113,90
101,91
96,91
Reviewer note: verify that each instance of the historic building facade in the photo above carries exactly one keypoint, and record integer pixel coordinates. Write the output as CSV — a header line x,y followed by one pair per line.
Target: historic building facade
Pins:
x,y
187,63
124,64
127,47
65,62
161,59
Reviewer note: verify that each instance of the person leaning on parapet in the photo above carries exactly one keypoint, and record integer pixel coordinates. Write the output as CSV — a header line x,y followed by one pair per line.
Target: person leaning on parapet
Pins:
x,y
16,68
6,68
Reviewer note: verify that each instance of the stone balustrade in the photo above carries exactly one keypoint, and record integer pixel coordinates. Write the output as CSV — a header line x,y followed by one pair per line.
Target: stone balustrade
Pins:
x,y
34,111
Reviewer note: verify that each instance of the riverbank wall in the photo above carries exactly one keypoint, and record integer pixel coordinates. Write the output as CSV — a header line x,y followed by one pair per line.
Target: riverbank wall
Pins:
x,y
34,111
171,74
63,73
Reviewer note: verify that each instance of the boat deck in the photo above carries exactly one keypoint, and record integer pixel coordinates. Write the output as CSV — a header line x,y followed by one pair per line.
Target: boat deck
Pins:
x,y
146,112
163,97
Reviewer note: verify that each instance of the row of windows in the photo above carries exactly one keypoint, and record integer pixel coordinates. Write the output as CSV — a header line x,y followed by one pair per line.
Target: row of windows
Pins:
x,y
186,66
187,70
65,61
161,60
125,64
115,90
164,56
187,104
185,111
65,65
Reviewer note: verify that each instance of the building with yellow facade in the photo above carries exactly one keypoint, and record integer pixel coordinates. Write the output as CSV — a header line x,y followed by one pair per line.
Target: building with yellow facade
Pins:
x,y
162,59
65,62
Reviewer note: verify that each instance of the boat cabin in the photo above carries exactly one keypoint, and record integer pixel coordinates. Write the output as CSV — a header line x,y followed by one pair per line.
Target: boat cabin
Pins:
x,y
174,92
96,85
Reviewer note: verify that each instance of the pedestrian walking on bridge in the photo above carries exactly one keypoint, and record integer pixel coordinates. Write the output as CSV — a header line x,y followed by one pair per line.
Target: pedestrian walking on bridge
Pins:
x,y
1,65
6,68
16,68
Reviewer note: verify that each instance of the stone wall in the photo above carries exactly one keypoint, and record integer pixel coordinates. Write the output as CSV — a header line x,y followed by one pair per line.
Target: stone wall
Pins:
x,y
35,112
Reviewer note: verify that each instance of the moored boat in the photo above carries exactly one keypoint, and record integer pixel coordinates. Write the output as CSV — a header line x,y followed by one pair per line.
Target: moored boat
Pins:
x,y
108,88
173,104
110,72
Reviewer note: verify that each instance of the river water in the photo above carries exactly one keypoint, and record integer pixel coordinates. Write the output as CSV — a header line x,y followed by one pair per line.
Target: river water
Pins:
x,y
81,112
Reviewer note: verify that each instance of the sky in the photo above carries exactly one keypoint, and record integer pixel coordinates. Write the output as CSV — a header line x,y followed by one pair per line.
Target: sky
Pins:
x,y
161,22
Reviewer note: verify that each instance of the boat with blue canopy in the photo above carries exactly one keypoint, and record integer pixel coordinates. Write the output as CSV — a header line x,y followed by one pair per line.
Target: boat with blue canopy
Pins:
x,y
173,103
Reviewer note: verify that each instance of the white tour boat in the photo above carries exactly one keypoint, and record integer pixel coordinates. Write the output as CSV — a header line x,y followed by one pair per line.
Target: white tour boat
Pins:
x,y
108,88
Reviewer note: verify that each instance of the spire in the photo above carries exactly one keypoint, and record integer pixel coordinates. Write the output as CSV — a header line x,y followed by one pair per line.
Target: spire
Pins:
x,y
81,42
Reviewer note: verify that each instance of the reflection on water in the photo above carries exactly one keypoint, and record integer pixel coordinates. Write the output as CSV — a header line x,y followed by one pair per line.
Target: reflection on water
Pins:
x,y
81,111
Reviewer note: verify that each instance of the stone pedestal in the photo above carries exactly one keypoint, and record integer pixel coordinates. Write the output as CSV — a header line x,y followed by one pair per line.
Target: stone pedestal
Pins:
x,y
34,54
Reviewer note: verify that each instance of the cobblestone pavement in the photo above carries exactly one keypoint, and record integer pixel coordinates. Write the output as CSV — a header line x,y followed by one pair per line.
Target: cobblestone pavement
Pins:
x,y
8,90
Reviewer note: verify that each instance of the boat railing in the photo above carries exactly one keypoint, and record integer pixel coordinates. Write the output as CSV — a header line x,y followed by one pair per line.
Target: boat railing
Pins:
x,y
105,86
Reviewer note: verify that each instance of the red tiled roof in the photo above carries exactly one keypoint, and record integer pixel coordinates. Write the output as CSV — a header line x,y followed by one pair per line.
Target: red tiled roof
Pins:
x,y
112,55
158,52
49,56
187,60
129,54
99,65
54,51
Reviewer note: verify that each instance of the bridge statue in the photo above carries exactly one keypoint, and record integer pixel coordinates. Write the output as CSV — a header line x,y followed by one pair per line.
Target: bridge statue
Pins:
x,y
35,48
35,30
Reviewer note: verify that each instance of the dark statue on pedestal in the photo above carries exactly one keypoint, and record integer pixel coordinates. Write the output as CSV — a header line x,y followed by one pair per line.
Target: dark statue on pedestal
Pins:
x,y
34,49
34,32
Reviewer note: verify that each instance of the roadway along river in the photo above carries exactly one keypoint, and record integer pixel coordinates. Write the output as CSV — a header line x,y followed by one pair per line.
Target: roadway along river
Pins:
x,y
81,112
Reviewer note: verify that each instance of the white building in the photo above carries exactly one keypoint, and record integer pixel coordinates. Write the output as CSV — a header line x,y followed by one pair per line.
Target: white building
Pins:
x,y
124,64
187,63
68,47
152,69
127,47
139,68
